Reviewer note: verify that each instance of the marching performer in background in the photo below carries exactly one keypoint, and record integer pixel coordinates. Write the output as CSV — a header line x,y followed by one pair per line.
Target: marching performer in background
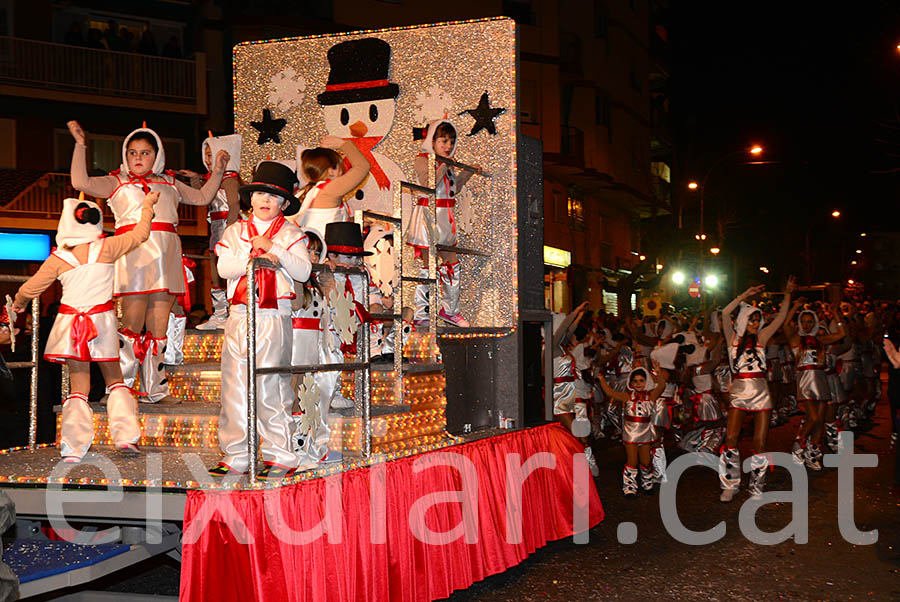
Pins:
x,y
85,328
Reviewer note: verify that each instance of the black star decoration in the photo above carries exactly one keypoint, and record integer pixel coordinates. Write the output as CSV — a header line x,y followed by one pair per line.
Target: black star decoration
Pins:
x,y
268,128
484,115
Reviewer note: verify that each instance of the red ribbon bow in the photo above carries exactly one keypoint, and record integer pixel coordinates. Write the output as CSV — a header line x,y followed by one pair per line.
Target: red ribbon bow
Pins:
x,y
365,146
266,283
142,180
184,300
83,329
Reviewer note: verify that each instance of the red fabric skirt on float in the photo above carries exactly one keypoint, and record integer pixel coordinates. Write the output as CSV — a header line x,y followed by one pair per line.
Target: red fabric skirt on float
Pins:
x,y
269,544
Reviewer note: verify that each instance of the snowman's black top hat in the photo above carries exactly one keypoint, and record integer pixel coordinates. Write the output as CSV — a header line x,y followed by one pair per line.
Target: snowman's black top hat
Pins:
x,y
274,178
359,72
345,238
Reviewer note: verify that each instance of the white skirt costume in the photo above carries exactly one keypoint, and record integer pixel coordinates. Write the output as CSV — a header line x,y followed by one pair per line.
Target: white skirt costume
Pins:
x,y
710,428
748,390
312,218
812,383
445,202
639,412
218,208
155,266
86,327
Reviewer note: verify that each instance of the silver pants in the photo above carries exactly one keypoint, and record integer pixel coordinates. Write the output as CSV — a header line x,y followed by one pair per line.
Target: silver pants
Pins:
x,y
274,396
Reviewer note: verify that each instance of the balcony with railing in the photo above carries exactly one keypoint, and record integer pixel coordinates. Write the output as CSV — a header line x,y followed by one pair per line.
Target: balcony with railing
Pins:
x,y
37,205
47,70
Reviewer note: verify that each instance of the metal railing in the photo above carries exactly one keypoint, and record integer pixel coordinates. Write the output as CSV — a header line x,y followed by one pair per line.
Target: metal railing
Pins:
x,y
33,364
64,67
362,367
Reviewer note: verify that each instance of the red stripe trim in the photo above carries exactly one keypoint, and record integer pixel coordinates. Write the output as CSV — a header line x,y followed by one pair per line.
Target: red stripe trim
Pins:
x,y
750,375
445,202
218,215
272,186
306,323
344,249
564,379
373,83
810,368
154,227
640,419
97,309
422,202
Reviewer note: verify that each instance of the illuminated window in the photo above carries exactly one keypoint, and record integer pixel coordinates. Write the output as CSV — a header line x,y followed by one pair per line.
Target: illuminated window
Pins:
x,y
576,213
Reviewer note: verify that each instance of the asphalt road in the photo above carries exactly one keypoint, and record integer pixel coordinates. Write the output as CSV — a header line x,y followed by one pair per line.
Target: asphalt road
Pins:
x,y
658,567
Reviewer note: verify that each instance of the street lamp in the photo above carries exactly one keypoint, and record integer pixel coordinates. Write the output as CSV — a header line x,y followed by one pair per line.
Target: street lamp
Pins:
x,y
712,281
693,185
715,250
835,214
858,251
757,149
863,234
678,278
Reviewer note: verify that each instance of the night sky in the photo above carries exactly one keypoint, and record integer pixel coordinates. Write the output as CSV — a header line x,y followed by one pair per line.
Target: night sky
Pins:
x,y
818,88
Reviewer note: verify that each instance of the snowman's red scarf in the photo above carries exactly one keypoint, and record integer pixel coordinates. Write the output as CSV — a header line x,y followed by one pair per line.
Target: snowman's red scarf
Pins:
x,y
365,146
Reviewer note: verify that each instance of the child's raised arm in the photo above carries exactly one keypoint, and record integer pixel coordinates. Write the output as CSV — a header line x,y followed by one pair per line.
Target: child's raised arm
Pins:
x,y
353,177
661,385
619,396
101,187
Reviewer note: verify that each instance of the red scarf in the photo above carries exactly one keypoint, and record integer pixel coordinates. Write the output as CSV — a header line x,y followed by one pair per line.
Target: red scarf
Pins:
x,y
265,278
365,146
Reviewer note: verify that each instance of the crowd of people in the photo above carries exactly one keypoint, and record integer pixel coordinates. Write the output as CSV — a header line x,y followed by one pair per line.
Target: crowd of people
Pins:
x,y
122,39
689,379
293,214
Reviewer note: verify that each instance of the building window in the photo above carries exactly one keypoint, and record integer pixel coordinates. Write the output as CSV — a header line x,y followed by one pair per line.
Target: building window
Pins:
x,y
104,152
576,213
528,101
611,303
520,10
601,108
601,20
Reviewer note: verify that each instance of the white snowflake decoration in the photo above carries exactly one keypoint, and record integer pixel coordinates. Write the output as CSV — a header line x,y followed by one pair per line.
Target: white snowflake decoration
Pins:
x,y
345,320
308,393
286,89
434,104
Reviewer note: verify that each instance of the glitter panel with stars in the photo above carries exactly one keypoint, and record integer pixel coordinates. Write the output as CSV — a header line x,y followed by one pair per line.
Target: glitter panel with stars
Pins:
x,y
442,69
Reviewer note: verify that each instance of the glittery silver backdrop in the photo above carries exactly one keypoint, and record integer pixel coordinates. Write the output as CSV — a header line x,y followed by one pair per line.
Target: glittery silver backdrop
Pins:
x,y
440,69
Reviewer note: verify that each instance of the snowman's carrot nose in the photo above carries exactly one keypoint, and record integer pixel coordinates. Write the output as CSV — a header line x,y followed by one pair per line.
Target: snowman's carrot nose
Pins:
x,y
359,129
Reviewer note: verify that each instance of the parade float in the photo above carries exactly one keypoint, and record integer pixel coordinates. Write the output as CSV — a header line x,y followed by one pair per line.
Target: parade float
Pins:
x,y
431,491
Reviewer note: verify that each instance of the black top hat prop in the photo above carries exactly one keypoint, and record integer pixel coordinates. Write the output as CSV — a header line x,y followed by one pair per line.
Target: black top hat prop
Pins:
x,y
274,178
345,238
359,72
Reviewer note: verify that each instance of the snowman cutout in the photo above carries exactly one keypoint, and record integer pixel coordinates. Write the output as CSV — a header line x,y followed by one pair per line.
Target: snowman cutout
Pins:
x,y
358,105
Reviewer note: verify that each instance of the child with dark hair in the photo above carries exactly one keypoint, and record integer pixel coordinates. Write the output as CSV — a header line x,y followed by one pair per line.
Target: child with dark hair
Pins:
x,y
440,139
85,327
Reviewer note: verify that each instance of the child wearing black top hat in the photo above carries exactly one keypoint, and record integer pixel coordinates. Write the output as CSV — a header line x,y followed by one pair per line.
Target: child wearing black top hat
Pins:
x,y
267,234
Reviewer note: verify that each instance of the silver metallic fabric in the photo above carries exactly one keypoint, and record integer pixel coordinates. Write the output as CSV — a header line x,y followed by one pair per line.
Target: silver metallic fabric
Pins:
x,y
730,469
751,394
77,430
121,409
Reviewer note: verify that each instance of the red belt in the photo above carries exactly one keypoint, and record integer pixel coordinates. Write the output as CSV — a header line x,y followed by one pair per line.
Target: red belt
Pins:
x,y
750,375
810,368
214,215
83,329
564,379
154,226
306,323
444,202
641,419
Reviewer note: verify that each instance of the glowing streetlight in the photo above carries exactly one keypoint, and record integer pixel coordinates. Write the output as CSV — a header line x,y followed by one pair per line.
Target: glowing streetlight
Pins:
x,y
693,185
715,250
678,277
642,257
835,213
854,262
859,251
756,149
712,281
659,266
863,234
850,281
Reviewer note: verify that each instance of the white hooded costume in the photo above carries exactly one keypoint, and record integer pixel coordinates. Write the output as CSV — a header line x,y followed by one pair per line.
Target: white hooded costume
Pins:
x,y
639,411
748,390
812,383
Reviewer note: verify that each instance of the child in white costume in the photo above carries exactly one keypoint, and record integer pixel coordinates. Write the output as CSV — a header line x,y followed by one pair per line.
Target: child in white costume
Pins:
x,y
223,211
151,275
269,235
85,329
440,139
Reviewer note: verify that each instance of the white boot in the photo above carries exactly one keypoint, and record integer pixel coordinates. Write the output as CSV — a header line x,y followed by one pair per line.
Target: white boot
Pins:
x,y
448,277
646,478
729,473
591,461
153,373
659,465
759,463
629,481
175,335
220,311
77,430
421,315
124,427
128,359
